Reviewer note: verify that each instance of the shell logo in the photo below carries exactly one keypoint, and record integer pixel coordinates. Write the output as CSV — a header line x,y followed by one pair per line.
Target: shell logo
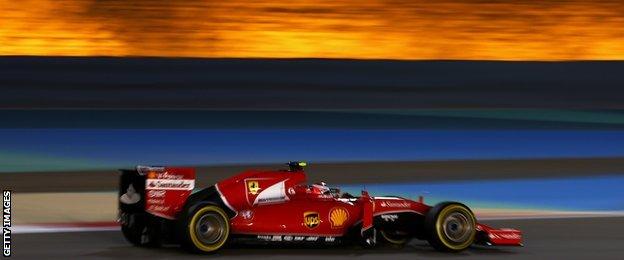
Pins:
x,y
338,216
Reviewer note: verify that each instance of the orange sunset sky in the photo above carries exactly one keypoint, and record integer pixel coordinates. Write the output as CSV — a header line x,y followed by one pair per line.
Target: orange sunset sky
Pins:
x,y
361,29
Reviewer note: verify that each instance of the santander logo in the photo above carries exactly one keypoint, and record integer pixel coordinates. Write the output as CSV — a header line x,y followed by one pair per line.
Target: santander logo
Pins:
x,y
169,184
395,204
512,236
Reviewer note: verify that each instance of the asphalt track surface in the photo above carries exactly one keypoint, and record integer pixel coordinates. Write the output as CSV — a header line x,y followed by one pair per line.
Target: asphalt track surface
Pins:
x,y
575,238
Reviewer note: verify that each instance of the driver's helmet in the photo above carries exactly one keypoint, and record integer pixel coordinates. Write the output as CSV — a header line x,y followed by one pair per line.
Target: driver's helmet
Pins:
x,y
320,188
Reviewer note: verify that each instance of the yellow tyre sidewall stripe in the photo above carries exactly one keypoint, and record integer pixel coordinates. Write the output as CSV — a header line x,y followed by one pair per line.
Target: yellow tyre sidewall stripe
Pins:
x,y
193,235
440,232
393,241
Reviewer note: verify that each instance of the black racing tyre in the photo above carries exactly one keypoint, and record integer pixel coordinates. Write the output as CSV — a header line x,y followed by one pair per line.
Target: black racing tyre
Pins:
x,y
450,226
131,235
139,230
206,230
393,238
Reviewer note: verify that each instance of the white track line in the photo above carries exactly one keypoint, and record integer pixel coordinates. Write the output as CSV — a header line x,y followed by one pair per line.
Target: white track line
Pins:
x,y
30,229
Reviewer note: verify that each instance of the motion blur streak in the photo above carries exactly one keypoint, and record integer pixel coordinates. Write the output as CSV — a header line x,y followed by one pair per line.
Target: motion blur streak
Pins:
x,y
419,29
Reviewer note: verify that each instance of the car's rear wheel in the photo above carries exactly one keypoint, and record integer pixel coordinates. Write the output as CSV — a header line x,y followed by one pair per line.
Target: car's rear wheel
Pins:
x,y
451,226
140,230
207,229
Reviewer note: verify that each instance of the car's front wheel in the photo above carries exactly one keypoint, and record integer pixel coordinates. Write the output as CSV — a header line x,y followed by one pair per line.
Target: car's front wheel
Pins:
x,y
393,237
451,226
207,229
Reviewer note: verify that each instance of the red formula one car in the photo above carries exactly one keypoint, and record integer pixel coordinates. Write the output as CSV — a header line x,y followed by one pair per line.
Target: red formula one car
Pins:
x,y
157,205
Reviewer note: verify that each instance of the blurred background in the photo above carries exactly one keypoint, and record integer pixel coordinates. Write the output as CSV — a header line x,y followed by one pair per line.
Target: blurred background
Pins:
x,y
514,107
419,29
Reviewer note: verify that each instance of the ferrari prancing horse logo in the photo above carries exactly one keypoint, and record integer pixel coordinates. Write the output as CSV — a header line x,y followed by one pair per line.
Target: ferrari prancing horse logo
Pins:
x,y
253,187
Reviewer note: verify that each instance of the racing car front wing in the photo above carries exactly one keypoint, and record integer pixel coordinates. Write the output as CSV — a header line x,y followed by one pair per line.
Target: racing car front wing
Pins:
x,y
489,236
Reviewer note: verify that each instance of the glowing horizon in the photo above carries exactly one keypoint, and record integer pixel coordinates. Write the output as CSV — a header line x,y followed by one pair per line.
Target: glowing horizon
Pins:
x,y
413,30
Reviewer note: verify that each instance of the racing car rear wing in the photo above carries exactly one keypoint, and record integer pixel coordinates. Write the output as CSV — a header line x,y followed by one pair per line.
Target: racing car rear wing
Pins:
x,y
160,191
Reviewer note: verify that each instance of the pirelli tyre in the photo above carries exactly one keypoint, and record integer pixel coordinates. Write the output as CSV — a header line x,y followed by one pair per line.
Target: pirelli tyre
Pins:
x,y
450,226
393,238
140,229
206,230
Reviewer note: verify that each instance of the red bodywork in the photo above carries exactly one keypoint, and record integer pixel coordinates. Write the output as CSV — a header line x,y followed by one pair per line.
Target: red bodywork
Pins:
x,y
276,203
166,190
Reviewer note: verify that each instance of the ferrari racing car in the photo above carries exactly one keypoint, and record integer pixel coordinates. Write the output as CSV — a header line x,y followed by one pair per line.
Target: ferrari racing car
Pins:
x,y
161,205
